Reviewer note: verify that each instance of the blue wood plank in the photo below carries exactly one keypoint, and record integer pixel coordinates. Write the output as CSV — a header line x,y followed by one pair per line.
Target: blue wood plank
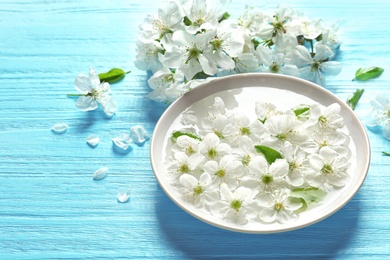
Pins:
x,y
51,208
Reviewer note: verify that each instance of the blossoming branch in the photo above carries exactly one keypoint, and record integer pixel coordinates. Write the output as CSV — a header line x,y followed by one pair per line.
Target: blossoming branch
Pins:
x,y
188,42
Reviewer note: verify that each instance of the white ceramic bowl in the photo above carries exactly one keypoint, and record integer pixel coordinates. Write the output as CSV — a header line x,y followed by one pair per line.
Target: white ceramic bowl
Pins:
x,y
271,87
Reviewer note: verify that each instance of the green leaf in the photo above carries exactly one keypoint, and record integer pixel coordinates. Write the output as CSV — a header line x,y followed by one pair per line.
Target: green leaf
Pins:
x,y
309,194
301,110
187,21
386,153
352,101
225,16
304,204
368,73
269,153
176,134
113,75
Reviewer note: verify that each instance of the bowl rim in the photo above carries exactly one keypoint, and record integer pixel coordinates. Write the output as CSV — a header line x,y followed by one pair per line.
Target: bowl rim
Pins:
x,y
202,91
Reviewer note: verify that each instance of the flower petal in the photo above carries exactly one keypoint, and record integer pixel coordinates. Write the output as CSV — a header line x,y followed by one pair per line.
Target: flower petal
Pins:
x,y
83,84
86,103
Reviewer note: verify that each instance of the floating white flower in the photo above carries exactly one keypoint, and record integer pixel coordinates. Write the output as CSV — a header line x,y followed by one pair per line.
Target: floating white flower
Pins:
x,y
93,92
277,207
381,113
212,147
267,177
187,145
327,118
184,163
328,168
236,206
297,164
197,192
224,171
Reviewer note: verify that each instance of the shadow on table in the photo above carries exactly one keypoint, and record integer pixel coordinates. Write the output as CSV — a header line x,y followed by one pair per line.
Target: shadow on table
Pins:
x,y
197,239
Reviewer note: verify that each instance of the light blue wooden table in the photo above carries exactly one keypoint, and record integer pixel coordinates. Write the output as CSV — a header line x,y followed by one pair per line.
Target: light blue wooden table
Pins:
x,y
51,208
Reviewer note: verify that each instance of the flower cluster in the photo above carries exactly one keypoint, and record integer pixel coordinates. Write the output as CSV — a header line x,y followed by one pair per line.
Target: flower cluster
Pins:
x,y
188,42
381,113
244,169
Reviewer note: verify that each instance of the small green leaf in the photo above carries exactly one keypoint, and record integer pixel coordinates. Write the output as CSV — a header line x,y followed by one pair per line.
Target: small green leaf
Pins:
x,y
113,75
386,153
304,204
309,194
269,153
176,134
225,16
368,73
301,110
352,101
187,21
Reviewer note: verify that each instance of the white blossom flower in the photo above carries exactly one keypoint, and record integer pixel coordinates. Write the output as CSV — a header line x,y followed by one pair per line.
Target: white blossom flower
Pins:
x,y
161,81
184,163
277,207
236,206
212,147
149,53
265,110
285,127
159,27
187,145
335,140
187,54
197,192
266,177
93,93
224,171
328,168
315,68
279,64
311,29
327,118
381,113
250,22
202,14
297,162
241,125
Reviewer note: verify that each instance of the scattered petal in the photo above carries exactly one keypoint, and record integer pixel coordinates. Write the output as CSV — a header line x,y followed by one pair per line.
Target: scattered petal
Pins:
x,y
93,140
100,174
123,141
139,134
59,128
123,195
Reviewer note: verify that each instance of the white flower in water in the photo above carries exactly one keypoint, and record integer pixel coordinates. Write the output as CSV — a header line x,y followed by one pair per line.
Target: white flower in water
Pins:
x,y
246,150
286,127
241,126
93,92
197,192
224,171
335,140
297,163
381,113
267,177
236,206
212,147
265,110
314,68
184,163
187,145
187,54
327,118
328,168
277,207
